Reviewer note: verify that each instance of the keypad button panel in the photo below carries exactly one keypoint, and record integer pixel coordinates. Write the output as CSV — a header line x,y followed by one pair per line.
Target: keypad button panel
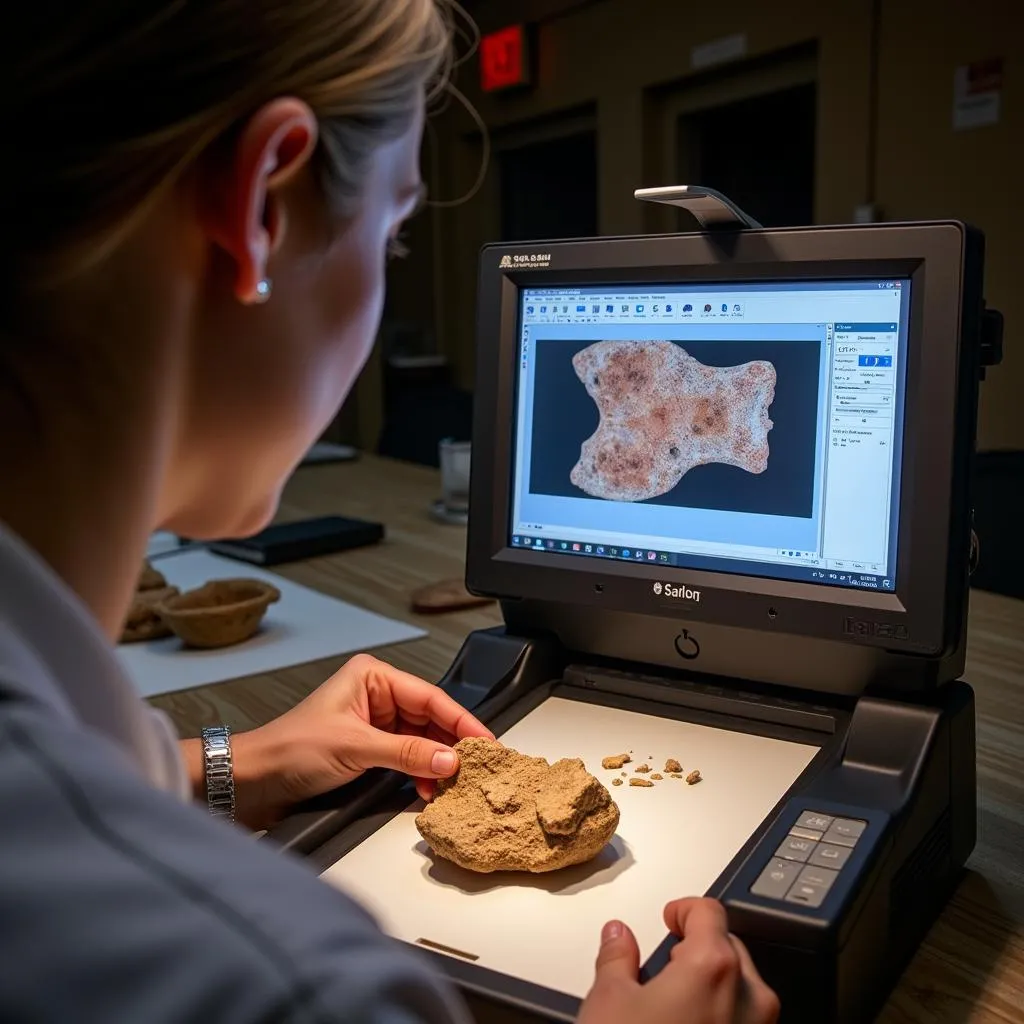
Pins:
x,y
807,863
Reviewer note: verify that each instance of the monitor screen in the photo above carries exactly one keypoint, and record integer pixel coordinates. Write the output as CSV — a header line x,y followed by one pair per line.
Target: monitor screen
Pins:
x,y
752,429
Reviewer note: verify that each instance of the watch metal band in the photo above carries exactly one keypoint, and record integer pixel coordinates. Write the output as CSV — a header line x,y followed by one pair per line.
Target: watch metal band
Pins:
x,y
220,774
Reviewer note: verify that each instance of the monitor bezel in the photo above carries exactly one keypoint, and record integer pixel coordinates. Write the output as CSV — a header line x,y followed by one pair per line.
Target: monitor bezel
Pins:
x,y
924,613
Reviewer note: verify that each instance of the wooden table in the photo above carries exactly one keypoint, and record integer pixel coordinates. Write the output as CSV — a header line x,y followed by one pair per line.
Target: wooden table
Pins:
x,y
971,968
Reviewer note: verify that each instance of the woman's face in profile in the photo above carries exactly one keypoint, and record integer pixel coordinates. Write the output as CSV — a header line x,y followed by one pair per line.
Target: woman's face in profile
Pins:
x,y
267,380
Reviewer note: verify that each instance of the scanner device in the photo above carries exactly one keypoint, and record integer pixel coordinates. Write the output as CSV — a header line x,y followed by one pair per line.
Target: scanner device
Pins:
x,y
720,490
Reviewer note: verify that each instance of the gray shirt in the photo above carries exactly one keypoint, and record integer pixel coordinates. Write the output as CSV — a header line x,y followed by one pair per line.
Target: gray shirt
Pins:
x,y
122,902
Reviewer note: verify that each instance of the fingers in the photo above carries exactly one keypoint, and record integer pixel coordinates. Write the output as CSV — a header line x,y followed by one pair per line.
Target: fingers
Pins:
x,y
618,959
758,1003
616,993
711,977
696,915
704,962
417,756
721,965
432,732
421,703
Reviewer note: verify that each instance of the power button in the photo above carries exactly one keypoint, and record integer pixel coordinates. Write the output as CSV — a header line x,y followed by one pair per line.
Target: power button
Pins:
x,y
687,646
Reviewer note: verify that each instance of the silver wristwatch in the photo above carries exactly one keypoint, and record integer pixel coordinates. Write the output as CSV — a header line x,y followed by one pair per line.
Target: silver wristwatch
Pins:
x,y
220,774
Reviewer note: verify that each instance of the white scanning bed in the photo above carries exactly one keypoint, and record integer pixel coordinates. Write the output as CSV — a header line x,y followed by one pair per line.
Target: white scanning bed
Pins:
x,y
673,840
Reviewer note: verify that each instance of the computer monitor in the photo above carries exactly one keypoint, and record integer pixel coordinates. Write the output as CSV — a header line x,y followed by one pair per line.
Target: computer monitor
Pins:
x,y
770,436
741,428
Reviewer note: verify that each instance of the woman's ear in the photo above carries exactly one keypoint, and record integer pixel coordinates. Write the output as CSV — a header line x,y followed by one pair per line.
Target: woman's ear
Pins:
x,y
241,208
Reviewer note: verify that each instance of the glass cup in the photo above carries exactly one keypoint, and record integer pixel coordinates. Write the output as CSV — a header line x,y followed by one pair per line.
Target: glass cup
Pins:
x,y
454,457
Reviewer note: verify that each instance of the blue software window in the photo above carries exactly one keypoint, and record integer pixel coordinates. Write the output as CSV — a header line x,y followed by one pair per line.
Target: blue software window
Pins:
x,y
748,428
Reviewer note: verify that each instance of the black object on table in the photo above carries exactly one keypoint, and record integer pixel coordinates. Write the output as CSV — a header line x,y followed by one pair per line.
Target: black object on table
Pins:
x,y
292,542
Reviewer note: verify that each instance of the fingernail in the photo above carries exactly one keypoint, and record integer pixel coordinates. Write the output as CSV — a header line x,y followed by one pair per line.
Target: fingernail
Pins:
x,y
443,762
612,930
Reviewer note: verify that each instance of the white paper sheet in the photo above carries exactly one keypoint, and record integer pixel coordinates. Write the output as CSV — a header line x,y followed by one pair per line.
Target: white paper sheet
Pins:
x,y
303,626
673,840
160,543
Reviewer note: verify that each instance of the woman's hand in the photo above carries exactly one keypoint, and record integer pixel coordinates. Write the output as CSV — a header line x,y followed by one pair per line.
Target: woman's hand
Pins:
x,y
367,715
710,978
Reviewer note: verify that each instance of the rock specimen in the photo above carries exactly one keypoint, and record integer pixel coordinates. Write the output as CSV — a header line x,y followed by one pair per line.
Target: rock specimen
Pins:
x,y
662,413
693,778
615,761
643,769
504,811
640,782
150,578
672,765
143,621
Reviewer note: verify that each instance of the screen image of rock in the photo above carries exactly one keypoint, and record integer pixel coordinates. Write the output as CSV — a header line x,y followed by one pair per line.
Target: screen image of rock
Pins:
x,y
662,413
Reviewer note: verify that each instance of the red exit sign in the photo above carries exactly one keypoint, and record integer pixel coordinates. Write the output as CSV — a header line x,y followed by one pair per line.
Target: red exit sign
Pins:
x,y
504,62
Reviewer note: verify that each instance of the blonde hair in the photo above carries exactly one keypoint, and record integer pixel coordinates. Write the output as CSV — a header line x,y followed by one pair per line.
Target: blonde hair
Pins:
x,y
112,102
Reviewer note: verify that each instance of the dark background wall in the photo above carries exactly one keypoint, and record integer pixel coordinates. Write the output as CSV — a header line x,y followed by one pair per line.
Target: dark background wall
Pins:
x,y
830,106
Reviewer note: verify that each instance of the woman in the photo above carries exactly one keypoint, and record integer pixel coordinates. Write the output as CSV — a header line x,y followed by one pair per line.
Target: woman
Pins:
x,y
198,198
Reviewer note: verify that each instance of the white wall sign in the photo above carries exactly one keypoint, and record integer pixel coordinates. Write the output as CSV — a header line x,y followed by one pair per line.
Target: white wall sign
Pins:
x,y
977,94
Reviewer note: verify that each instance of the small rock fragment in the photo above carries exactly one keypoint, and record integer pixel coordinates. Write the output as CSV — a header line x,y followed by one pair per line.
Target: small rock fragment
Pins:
x,y
657,777
641,782
672,765
643,769
677,775
616,761
624,774
693,778
616,782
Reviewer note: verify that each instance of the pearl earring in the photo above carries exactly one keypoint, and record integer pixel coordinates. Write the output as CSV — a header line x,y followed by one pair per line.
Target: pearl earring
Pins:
x,y
263,289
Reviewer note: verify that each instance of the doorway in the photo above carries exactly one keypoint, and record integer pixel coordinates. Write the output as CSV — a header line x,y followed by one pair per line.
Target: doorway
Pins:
x,y
758,151
549,188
